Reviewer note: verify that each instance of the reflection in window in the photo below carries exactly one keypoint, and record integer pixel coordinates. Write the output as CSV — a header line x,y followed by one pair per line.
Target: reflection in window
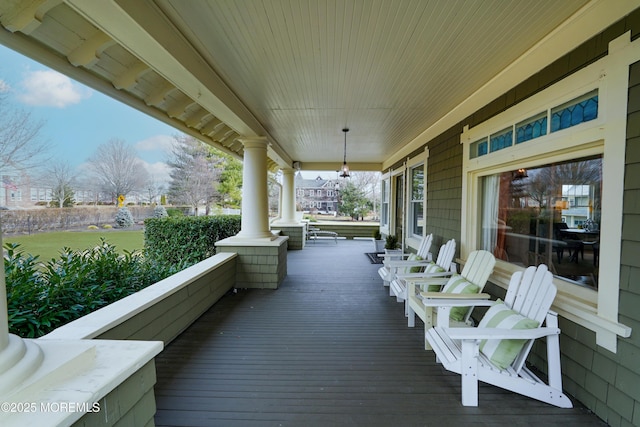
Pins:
x,y
549,214
417,199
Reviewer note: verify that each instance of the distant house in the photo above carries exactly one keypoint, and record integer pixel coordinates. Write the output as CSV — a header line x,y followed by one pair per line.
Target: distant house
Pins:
x,y
316,195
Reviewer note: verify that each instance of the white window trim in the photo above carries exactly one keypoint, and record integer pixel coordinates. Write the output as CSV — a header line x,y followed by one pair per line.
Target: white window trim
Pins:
x,y
384,228
414,240
606,135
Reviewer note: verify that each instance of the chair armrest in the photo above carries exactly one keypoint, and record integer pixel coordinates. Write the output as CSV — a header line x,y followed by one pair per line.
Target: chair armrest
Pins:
x,y
421,277
482,298
407,263
497,333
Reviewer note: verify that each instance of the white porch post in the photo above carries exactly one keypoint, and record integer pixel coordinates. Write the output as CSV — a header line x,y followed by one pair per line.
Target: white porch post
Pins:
x,y
255,202
288,197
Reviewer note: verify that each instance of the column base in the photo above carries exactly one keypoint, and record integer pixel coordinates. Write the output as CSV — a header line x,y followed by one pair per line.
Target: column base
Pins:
x,y
261,263
75,380
296,233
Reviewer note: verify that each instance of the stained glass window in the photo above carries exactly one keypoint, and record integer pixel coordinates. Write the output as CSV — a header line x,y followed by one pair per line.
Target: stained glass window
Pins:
x,y
501,140
574,112
531,128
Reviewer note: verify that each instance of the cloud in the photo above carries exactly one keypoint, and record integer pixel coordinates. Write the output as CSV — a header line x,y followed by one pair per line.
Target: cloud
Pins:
x,y
51,89
158,171
162,143
4,86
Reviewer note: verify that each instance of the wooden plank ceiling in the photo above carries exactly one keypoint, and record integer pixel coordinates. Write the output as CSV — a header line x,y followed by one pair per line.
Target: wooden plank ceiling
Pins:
x,y
294,71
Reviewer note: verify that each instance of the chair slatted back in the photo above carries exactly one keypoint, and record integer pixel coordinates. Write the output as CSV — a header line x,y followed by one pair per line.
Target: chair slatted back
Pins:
x,y
425,246
478,267
531,294
446,253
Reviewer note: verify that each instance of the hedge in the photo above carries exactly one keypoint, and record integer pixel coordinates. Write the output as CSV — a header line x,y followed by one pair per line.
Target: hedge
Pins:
x,y
44,296
177,240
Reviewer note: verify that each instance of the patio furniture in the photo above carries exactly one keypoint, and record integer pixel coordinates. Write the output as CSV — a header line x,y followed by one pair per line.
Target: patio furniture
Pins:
x,y
567,238
399,262
495,352
441,268
468,284
316,232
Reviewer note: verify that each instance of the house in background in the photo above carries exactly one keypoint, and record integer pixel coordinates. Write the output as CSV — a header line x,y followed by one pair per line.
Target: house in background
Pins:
x,y
317,195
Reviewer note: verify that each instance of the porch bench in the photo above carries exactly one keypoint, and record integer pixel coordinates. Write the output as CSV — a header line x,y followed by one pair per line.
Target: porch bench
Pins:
x,y
315,232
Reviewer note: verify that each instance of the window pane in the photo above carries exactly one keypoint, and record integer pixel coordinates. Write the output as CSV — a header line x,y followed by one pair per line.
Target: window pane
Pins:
x,y
384,215
501,140
546,215
577,111
417,199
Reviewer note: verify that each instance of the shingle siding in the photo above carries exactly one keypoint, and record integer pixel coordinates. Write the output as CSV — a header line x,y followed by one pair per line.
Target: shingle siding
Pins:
x,y
605,382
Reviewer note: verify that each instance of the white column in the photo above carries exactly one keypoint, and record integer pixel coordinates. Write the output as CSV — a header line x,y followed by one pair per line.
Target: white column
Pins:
x,y
288,197
255,198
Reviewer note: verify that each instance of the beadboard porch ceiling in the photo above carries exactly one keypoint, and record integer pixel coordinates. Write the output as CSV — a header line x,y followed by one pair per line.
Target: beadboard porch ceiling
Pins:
x,y
296,72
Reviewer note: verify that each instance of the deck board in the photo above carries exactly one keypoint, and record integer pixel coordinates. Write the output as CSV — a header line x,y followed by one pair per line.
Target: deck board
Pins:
x,y
330,347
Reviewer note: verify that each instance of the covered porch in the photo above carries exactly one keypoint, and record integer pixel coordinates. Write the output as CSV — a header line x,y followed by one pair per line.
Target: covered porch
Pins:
x,y
329,347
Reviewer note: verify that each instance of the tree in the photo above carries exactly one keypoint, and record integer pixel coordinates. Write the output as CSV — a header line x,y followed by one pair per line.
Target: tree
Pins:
x,y
230,187
61,177
195,173
118,169
369,184
352,200
21,146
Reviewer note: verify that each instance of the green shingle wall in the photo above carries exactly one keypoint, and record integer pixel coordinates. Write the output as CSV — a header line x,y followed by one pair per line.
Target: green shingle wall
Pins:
x,y
607,383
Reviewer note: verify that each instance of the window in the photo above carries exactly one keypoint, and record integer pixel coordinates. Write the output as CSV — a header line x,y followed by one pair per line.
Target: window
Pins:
x,y
384,214
554,195
548,214
417,200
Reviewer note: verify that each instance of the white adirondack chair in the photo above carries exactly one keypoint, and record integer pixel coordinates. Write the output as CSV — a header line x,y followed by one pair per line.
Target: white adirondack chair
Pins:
x,y
403,262
441,268
477,354
476,271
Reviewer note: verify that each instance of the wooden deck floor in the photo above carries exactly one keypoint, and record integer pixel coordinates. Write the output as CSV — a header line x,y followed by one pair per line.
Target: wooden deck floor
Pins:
x,y
329,348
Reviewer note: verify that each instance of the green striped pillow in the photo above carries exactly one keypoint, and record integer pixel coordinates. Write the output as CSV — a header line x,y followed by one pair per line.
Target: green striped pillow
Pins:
x,y
459,285
432,267
416,269
502,353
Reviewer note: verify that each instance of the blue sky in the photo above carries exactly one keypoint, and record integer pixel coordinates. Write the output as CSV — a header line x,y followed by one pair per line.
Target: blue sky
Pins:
x,y
78,119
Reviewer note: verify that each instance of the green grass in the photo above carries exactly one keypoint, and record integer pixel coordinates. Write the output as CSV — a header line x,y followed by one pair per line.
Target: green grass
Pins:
x,y
49,245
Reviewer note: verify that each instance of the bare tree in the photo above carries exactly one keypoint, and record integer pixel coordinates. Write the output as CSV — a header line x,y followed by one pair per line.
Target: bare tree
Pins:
x,y
60,177
369,185
21,143
195,173
117,167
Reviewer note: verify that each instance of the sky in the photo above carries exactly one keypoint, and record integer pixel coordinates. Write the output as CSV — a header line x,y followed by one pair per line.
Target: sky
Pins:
x,y
78,119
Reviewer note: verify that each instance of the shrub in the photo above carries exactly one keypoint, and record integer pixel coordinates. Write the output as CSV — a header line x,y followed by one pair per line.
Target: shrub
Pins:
x,y
124,218
174,212
92,227
44,297
189,240
106,226
159,212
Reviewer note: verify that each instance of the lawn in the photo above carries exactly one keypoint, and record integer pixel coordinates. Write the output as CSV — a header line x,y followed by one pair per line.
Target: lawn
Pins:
x,y
49,245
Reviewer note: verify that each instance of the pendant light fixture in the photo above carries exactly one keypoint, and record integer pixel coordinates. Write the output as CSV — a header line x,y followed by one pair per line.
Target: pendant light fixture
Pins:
x,y
344,172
